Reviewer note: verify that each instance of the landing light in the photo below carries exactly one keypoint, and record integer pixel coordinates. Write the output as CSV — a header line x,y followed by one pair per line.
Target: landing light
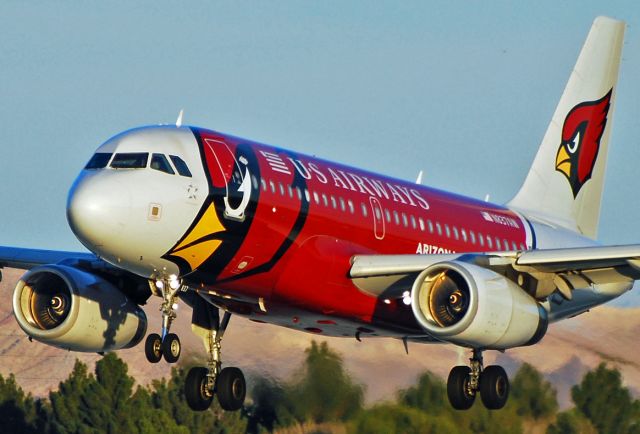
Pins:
x,y
173,282
406,298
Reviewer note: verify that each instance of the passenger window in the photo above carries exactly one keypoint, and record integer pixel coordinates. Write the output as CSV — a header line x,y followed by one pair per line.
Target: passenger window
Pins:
x,y
281,187
430,224
254,182
421,222
264,184
489,242
364,210
481,239
413,222
98,161
181,166
160,162
130,160
333,202
350,205
498,247
387,214
299,193
290,191
396,218
324,199
439,228
464,235
306,195
472,235
316,198
513,245
377,211
273,187
404,220
447,231
342,207
455,233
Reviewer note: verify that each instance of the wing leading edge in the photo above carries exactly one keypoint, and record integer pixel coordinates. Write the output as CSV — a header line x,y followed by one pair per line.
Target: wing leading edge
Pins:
x,y
15,257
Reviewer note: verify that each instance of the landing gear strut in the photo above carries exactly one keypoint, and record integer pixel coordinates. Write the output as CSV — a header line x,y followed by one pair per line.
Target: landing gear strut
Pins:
x,y
167,344
202,383
464,382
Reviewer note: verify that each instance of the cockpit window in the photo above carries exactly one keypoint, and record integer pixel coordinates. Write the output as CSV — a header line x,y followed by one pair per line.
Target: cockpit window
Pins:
x,y
181,166
160,162
137,160
98,161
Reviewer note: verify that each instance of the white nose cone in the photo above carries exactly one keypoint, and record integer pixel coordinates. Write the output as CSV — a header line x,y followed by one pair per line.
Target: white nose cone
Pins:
x,y
98,210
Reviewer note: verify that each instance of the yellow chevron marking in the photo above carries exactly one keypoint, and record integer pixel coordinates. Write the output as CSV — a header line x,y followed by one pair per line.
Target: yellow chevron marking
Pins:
x,y
198,253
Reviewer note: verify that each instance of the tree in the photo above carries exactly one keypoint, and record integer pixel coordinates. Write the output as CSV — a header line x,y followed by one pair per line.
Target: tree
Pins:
x,y
531,395
391,418
571,422
105,403
605,402
271,407
429,395
324,391
19,413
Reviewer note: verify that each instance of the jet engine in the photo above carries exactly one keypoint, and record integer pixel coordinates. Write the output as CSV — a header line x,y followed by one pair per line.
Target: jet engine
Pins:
x,y
475,307
72,309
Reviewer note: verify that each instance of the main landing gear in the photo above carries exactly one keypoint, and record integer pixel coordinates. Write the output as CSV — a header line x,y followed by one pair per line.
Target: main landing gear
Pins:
x,y
202,383
167,344
464,382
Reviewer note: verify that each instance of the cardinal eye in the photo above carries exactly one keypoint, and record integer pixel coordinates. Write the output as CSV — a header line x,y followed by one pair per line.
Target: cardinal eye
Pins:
x,y
572,146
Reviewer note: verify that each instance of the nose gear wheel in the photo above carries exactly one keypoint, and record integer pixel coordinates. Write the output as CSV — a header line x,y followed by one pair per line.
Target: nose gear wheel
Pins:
x,y
165,344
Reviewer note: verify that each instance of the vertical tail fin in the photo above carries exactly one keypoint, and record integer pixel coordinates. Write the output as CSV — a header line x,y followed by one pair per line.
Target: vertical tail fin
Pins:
x,y
565,182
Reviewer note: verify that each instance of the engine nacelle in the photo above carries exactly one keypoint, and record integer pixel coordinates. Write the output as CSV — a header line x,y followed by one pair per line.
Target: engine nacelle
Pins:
x,y
475,307
75,310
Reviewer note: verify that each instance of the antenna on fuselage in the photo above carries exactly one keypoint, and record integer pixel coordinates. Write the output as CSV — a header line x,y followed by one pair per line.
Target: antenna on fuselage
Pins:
x,y
179,120
419,178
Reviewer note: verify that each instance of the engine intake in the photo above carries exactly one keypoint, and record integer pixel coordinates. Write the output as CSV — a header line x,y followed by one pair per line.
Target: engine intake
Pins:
x,y
75,310
476,307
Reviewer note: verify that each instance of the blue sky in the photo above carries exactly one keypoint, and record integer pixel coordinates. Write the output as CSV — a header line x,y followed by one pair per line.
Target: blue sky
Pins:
x,y
461,90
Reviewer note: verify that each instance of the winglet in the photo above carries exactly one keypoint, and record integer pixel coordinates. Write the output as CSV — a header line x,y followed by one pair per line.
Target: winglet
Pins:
x,y
179,120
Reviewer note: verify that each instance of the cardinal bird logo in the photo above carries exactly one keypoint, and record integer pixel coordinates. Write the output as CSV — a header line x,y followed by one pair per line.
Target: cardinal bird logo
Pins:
x,y
581,134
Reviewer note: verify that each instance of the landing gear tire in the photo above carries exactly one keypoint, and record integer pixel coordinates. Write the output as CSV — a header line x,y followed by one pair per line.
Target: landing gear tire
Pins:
x,y
460,394
196,389
153,348
171,348
494,387
231,389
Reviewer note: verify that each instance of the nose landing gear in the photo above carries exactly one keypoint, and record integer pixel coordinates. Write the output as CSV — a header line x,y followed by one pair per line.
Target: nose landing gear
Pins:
x,y
203,383
167,344
464,382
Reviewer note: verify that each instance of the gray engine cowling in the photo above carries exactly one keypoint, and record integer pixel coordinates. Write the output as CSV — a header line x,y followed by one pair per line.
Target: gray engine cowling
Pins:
x,y
475,307
72,309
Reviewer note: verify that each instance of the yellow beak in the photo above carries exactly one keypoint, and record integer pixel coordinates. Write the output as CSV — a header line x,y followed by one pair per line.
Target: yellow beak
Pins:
x,y
563,162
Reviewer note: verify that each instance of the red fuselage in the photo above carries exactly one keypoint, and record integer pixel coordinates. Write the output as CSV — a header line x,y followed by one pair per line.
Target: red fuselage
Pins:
x,y
307,217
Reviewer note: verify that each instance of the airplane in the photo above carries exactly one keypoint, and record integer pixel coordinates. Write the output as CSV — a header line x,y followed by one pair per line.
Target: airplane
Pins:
x,y
230,226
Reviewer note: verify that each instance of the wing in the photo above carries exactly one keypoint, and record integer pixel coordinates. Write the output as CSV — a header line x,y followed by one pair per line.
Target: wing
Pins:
x,y
26,259
554,269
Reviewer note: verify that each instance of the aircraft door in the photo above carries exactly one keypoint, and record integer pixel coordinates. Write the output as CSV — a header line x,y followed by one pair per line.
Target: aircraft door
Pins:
x,y
378,218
